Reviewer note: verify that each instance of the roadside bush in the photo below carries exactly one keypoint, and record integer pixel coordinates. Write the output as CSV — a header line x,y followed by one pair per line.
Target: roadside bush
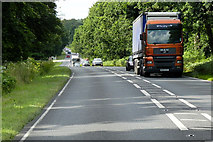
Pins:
x,y
8,83
46,67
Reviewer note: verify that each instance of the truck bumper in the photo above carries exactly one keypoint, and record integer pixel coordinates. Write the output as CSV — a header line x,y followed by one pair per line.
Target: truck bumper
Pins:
x,y
164,64
163,70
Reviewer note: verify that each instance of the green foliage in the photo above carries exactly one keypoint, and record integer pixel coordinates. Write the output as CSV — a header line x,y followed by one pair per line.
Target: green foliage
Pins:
x,y
118,62
8,83
70,26
31,30
27,100
46,66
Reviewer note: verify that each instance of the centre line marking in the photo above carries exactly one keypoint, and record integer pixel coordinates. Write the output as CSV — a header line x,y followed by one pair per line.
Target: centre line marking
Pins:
x,y
157,103
138,77
170,93
207,116
156,85
136,85
187,103
145,93
176,122
146,81
124,77
129,81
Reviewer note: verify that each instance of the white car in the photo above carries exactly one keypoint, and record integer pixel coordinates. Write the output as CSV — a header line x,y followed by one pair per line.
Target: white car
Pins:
x,y
97,62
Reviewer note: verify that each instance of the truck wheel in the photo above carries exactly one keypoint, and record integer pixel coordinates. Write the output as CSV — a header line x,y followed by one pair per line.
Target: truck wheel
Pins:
x,y
127,68
179,74
146,74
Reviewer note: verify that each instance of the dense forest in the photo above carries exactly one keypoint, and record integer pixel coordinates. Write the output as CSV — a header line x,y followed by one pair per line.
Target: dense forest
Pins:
x,y
107,31
70,26
31,30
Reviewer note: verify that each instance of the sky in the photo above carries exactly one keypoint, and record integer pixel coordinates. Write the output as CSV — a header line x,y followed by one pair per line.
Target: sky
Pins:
x,y
73,9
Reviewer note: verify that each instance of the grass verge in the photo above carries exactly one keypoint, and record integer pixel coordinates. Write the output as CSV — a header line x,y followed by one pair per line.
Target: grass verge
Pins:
x,y
27,100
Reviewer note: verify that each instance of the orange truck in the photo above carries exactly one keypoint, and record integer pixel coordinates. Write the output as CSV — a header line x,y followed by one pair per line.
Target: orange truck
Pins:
x,y
157,43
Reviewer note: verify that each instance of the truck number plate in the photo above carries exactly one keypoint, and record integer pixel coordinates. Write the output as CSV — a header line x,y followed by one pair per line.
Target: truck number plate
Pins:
x,y
164,69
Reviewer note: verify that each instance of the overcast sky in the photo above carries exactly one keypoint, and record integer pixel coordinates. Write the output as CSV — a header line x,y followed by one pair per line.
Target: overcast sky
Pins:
x,y
74,9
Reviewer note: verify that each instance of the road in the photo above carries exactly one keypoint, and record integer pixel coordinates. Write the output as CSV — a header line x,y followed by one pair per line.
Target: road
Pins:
x,y
109,103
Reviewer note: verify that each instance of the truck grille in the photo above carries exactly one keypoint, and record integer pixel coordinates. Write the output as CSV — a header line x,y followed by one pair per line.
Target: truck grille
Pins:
x,y
164,51
164,62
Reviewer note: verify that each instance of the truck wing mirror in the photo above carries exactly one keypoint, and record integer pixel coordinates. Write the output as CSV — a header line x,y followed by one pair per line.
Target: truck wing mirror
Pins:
x,y
141,36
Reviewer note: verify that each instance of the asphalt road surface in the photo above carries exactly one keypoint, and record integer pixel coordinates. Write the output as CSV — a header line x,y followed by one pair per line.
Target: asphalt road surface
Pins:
x,y
109,103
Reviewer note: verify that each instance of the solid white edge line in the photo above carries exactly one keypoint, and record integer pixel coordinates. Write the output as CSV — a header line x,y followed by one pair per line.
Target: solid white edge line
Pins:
x,y
129,81
44,114
145,93
136,85
170,93
176,122
146,81
157,103
156,85
207,116
187,103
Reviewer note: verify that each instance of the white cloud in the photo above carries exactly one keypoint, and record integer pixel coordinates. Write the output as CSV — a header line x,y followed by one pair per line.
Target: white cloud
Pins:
x,y
77,9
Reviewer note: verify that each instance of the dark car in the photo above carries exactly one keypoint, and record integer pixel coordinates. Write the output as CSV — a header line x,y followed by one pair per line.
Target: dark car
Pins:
x,y
129,63
97,62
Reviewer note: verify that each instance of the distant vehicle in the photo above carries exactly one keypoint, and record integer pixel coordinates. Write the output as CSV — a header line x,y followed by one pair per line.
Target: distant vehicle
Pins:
x,y
69,54
77,64
97,62
86,63
129,63
75,58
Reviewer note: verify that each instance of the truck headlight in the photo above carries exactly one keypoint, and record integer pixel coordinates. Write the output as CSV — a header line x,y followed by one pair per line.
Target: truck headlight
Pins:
x,y
149,62
179,62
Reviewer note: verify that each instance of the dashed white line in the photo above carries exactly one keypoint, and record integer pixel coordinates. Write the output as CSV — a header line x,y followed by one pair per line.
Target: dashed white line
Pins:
x,y
138,77
136,85
157,103
146,81
207,116
44,114
170,93
156,85
177,122
129,81
131,74
145,93
124,77
199,120
187,103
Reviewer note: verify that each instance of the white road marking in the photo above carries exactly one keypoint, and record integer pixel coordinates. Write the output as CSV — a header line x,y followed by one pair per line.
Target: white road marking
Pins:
x,y
117,74
136,85
138,77
176,122
185,113
124,77
156,85
170,93
146,81
187,103
145,93
129,81
207,116
131,74
199,120
44,114
157,103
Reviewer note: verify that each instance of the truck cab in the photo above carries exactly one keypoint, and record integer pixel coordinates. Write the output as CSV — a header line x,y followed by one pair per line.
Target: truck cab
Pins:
x,y
160,47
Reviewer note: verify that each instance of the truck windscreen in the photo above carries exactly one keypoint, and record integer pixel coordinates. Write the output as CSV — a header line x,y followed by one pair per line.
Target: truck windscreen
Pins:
x,y
164,33
163,36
